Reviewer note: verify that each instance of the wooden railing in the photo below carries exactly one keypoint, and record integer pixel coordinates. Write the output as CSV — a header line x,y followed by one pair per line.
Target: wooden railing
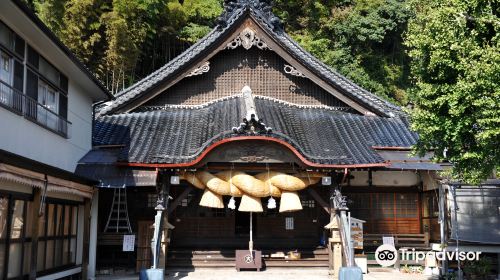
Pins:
x,y
26,106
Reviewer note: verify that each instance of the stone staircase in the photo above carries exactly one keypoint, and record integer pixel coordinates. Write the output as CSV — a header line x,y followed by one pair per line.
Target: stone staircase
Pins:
x,y
186,258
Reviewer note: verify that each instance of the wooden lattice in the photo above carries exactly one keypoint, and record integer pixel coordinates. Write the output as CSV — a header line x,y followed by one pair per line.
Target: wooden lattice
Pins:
x,y
230,70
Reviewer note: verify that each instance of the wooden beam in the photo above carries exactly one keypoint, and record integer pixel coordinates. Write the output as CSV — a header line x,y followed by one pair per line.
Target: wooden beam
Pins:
x,y
320,200
179,199
37,196
86,237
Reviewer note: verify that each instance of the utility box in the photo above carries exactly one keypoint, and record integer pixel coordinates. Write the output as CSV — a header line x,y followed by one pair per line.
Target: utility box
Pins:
x,y
247,260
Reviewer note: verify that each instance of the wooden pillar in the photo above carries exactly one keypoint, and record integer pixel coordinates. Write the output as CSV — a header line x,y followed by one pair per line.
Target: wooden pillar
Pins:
x,y
37,196
86,237
93,236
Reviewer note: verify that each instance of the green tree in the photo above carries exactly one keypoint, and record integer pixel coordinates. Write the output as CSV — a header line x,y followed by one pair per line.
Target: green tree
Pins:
x,y
127,26
362,39
455,51
83,31
51,12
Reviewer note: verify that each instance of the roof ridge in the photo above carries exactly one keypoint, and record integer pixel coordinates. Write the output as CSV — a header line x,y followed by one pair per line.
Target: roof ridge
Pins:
x,y
290,104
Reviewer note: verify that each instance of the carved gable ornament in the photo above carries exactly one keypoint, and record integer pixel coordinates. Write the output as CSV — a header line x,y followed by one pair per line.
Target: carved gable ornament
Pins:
x,y
247,39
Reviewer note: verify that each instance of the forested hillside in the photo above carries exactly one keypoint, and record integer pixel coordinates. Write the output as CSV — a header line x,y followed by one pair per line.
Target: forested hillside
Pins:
x,y
125,40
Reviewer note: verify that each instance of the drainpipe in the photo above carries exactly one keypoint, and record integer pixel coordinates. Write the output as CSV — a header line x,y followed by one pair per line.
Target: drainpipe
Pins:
x,y
460,275
442,226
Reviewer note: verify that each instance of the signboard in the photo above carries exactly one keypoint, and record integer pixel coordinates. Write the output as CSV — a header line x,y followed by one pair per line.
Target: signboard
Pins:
x,y
357,233
128,243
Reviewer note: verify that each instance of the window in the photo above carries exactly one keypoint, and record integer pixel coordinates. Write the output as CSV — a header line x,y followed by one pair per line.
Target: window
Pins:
x,y
57,236
48,98
6,37
6,78
15,236
152,200
387,212
44,97
47,90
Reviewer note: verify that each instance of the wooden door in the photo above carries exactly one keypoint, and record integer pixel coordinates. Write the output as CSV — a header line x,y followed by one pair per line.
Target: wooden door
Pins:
x,y
145,235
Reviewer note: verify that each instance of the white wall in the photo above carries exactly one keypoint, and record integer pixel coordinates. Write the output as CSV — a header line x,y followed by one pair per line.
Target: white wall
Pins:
x,y
23,137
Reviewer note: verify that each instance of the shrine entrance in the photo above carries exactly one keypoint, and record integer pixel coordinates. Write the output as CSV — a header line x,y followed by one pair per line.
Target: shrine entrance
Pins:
x,y
242,222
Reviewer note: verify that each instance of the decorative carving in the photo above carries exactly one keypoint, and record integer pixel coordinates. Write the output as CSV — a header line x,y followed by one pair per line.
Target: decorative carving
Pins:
x,y
251,124
247,38
204,68
251,151
339,201
292,71
253,158
262,9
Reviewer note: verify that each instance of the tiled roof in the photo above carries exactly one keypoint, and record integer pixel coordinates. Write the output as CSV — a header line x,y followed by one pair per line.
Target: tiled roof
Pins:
x,y
234,14
178,134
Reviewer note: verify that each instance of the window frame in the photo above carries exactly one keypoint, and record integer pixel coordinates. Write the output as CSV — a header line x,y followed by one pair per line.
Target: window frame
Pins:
x,y
55,237
8,241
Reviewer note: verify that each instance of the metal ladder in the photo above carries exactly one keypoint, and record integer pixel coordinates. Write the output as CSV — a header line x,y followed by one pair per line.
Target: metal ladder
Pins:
x,y
118,221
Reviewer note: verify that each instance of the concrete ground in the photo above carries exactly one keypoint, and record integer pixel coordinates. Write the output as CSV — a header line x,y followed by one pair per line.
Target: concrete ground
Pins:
x,y
272,274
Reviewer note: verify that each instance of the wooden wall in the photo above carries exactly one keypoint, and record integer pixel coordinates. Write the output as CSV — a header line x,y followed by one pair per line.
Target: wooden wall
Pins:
x,y
231,70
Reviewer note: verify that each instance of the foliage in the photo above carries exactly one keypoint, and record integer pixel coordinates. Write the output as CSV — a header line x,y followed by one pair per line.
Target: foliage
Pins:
x,y
455,49
362,39
51,12
480,268
83,31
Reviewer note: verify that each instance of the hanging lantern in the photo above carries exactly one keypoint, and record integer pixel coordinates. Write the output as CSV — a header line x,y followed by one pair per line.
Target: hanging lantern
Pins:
x,y
271,203
231,204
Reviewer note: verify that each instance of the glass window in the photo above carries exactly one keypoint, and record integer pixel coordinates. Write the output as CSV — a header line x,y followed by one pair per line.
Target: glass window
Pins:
x,y
49,254
17,220
67,225
6,78
74,220
48,71
15,253
2,257
6,36
50,220
29,219
40,262
4,204
48,97
58,248
27,258
59,219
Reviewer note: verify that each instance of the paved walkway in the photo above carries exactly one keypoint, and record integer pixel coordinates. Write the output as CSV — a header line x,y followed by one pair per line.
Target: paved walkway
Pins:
x,y
272,274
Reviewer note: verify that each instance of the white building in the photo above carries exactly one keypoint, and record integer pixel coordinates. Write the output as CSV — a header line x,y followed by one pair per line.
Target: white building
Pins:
x,y
46,98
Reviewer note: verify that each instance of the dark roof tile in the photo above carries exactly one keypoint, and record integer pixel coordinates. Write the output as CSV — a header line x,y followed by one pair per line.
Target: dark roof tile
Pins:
x,y
179,134
232,17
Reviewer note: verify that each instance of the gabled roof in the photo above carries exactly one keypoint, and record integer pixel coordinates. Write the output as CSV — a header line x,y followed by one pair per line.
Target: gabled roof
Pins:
x,y
180,135
260,11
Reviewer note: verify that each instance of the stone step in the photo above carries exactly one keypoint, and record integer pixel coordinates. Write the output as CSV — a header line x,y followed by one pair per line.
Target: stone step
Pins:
x,y
226,263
